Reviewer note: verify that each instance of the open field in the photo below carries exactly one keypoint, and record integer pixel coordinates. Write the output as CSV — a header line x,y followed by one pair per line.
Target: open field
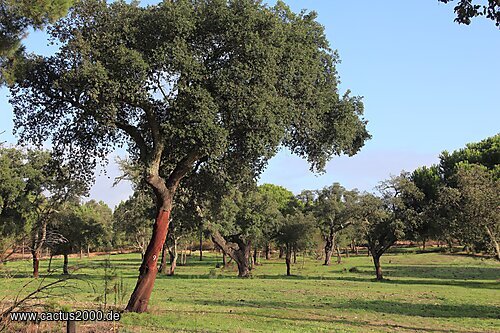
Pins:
x,y
429,292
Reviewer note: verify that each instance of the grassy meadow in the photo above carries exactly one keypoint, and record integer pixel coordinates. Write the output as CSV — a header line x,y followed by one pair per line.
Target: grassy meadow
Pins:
x,y
428,292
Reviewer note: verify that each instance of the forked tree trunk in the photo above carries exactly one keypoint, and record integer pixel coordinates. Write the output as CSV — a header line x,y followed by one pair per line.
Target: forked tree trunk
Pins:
x,y
240,255
38,240
329,246
288,259
65,264
172,251
147,272
378,268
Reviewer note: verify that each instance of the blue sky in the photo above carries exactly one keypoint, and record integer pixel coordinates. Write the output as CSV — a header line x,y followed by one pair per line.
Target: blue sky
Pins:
x,y
428,83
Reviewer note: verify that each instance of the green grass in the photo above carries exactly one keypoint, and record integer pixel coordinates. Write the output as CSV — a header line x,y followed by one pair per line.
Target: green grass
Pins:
x,y
429,292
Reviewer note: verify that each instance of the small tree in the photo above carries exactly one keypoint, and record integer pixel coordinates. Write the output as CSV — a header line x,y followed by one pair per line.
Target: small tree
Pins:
x,y
332,213
80,225
285,202
241,220
380,227
479,206
132,220
295,234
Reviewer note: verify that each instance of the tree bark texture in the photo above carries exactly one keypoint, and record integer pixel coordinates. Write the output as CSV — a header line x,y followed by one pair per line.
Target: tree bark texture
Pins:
x,y
378,268
147,272
288,259
65,264
174,254
329,246
36,262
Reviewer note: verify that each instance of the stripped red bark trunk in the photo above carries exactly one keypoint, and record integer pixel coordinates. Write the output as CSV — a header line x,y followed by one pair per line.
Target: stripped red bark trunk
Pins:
x,y
147,273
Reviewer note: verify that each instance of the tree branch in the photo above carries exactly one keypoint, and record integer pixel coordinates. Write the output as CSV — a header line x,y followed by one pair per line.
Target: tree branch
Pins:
x,y
133,132
181,169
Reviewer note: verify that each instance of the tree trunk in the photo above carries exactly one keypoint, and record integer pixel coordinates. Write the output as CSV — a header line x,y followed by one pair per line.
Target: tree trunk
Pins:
x,y
288,259
423,244
147,272
294,256
201,246
39,235
224,262
163,265
268,251
329,246
339,255
36,262
50,262
347,252
65,264
282,253
378,268
88,251
173,257
241,255
255,252
243,259
81,252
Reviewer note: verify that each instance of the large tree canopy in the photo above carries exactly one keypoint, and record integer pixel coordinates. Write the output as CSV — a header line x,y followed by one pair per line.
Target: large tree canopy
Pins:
x,y
216,85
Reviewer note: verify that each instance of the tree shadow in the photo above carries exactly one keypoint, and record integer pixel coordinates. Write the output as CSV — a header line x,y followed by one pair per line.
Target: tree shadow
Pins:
x,y
427,310
457,283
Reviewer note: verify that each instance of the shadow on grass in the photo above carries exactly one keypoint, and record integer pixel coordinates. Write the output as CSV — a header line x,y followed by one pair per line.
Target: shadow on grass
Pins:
x,y
457,283
438,272
379,306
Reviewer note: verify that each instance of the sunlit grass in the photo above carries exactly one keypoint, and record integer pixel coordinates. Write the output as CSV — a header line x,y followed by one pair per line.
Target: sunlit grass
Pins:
x,y
429,292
